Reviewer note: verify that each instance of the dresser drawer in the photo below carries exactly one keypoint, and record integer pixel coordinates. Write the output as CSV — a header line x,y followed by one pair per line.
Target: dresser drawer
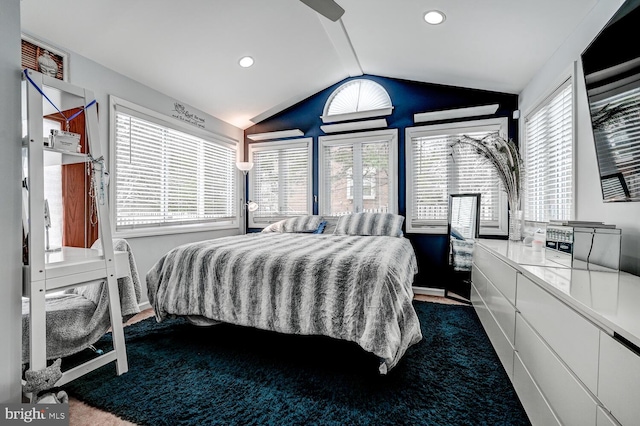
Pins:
x,y
500,342
571,336
499,273
569,399
479,279
619,380
537,408
605,419
503,311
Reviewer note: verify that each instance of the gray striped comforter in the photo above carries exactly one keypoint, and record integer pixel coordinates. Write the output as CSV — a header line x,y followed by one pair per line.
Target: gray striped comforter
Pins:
x,y
346,287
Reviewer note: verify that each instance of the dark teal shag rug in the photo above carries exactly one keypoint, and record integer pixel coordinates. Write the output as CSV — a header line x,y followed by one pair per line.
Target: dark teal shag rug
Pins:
x,y
180,374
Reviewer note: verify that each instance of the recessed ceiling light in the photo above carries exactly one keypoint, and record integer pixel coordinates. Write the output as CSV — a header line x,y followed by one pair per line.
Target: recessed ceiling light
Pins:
x,y
246,61
434,17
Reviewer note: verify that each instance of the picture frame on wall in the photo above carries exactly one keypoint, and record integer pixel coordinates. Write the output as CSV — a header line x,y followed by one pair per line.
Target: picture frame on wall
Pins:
x,y
43,58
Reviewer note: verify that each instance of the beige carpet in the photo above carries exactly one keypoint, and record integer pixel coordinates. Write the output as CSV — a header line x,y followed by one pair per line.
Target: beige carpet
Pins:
x,y
81,414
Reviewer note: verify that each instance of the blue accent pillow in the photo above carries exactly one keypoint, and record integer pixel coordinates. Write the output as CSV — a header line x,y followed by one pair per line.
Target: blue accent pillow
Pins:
x,y
321,227
457,235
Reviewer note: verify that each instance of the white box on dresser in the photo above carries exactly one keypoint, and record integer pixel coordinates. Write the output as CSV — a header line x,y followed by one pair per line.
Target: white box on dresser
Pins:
x,y
567,367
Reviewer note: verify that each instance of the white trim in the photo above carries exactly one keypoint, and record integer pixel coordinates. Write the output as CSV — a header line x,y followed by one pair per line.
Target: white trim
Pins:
x,y
144,305
342,43
280,134
501,124
114,102
356,115
450,114
165,120
355,125
428,291
389,135
274,145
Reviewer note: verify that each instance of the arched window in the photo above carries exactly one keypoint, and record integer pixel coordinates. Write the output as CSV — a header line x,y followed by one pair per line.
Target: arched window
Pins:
x,y
357,99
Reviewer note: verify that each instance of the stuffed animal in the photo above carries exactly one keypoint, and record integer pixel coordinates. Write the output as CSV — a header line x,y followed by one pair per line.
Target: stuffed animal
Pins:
x,y
40,383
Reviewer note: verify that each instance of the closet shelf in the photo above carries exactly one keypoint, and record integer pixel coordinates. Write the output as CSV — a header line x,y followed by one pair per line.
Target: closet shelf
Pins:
x,y
53,157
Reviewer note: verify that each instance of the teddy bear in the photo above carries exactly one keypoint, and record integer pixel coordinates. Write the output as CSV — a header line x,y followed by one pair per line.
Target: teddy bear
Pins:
x,y
40,383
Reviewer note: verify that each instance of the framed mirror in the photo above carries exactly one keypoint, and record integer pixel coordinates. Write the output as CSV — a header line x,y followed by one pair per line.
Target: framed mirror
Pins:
x,y
463,228
463,220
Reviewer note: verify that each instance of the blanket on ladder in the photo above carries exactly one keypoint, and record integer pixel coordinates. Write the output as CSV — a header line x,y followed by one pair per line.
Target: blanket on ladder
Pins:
x,y
78,317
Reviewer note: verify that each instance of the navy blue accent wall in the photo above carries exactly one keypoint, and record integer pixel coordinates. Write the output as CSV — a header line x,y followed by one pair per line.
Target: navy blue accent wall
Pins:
x,y
408,98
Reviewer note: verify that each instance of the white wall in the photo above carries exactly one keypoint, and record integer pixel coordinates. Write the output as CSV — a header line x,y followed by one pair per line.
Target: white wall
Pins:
x,y
10,213
104,82
589,204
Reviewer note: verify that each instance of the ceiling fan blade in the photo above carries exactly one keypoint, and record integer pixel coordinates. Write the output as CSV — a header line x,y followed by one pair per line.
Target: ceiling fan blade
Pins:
x,y
327,8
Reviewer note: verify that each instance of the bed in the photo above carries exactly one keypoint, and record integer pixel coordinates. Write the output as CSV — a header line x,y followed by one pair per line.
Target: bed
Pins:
x,y
354,284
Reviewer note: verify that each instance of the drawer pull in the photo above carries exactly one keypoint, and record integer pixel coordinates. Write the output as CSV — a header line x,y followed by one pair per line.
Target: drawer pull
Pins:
x,y
626,343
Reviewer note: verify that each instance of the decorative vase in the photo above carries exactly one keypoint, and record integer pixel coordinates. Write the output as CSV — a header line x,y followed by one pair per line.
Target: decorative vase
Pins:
x,y
515,225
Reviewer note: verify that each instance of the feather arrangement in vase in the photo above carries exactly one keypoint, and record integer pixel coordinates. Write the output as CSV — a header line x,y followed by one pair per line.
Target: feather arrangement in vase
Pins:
x,y
505,158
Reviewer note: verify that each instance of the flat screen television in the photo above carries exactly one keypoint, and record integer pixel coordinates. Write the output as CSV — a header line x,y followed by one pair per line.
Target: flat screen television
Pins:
x,y
611,65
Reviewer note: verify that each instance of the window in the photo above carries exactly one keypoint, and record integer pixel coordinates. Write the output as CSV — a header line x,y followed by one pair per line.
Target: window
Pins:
x,y
358,173
369,183
548,158
168,176
435,170
356,99
280,181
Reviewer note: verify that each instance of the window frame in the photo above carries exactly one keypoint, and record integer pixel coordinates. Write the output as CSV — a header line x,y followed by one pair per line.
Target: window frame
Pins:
x,y
543,101
388,135
500,124
118,104
306,143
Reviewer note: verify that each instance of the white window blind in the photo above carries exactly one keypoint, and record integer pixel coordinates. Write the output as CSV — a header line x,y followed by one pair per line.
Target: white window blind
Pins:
x,y
280,181
435,169
357,96
166,177
548,158
357,173
618,144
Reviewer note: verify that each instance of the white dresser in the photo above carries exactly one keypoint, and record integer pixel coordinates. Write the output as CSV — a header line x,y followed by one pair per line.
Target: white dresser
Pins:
x,y
568,339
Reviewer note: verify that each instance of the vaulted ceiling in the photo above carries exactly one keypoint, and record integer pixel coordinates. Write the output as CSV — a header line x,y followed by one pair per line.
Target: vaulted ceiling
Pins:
x,y
190,49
